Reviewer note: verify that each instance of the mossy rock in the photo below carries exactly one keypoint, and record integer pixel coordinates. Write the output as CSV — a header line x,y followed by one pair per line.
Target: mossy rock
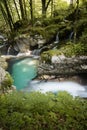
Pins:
x,y
3,63
46,56
37,30
50,31
54,20
69,50
6,83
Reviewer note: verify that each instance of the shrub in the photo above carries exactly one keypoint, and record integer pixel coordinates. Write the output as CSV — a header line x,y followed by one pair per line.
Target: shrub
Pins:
x,y
36,111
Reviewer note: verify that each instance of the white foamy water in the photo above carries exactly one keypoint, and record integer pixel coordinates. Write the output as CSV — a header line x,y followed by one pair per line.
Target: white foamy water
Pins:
x,y
73,88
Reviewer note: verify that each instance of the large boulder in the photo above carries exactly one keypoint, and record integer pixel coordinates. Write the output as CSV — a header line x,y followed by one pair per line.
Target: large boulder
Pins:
x,y
61,65
24,43
5,81
3,63
2,74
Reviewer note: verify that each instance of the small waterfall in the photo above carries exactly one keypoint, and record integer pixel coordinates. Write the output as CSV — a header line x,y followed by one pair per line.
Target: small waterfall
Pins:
x,y
57,38
38,51
8,51
71,36
35,52
56,41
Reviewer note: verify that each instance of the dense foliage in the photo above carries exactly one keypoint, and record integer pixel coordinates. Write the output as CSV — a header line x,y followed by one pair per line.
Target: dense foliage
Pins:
x,y
36,111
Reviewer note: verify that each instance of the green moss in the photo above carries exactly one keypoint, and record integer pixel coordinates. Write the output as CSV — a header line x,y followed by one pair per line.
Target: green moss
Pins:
x,y
46,56
74,49
37,30
54,20
50,31
69,50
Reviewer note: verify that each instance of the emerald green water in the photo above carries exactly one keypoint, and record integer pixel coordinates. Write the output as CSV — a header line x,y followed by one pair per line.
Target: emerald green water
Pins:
x,y
22,71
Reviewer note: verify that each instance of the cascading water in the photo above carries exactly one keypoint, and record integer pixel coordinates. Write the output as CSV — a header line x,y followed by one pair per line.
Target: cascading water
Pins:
x,y
38,51
56,41
71,35
23,70
8,51
43,86
57,38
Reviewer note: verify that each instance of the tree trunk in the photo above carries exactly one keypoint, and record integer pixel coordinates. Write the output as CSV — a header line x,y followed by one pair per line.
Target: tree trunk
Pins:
x,y
16,9
25,11
4,14
10,10
31,11
76,19
22,10
51,8
8,14
44,7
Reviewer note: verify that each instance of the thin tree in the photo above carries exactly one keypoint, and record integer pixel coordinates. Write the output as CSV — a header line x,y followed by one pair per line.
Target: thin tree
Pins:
x,y
24,7
21,9
4,14
16,9
10,21
76,18
10,9
31,11
44,7
51,8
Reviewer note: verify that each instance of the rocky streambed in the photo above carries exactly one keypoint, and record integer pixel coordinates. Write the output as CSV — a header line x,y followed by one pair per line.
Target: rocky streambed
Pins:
x,y
6,81
64,68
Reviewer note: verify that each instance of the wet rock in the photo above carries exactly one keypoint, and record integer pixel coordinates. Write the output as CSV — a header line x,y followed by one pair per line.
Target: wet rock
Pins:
x,y
5,82
2,75
3,63
64,66
57,59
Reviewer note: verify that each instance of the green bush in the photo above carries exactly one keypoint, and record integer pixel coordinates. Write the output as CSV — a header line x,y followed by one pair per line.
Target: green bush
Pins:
x,y
75,49
36,111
